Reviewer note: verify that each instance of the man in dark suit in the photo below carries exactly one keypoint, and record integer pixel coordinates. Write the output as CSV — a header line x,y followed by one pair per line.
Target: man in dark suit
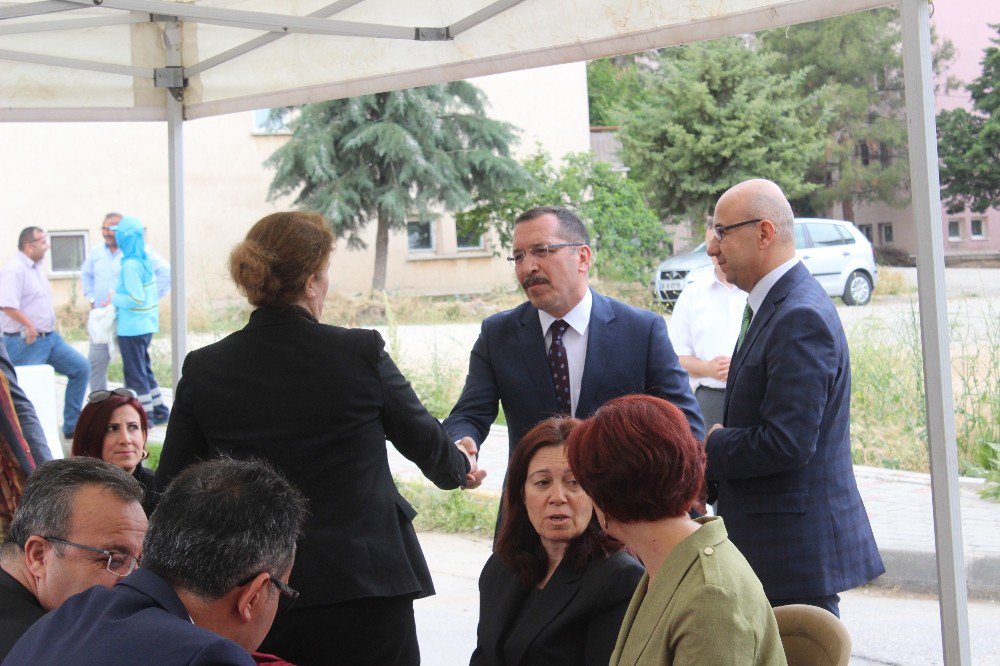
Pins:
x,y
782,458
80,523
568,350
215,560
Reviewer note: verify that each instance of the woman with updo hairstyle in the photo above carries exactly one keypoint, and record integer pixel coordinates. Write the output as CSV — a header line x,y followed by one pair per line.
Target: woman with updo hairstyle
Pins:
x,y
556,587
113,427
699,601
318,402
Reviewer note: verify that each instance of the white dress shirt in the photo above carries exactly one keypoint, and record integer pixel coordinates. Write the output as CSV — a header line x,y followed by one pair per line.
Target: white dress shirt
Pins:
x,y
761,289
575,341
706,321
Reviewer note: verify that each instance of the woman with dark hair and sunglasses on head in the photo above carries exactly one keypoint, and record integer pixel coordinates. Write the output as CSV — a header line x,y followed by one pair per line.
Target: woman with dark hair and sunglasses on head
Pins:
x,y
556,588
113,427
319,402
699,601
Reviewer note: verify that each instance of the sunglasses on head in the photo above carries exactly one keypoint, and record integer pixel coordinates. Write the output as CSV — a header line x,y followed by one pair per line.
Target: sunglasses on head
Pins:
x,y
101,396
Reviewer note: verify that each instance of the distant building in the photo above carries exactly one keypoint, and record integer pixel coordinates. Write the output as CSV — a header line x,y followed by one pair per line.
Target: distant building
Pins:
x,y
64,177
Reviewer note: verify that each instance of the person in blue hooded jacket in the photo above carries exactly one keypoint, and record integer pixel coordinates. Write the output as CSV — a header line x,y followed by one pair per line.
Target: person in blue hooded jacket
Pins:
x,y
137,304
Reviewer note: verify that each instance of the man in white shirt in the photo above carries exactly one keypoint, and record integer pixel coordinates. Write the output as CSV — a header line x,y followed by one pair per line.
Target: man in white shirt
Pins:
x,y
703,329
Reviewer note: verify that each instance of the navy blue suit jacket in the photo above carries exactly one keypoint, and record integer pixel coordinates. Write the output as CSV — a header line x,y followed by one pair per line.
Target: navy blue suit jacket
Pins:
x,y
783,460
627,352
139,621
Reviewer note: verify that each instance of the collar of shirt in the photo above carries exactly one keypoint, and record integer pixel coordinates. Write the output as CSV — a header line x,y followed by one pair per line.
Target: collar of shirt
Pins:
x,y
761,289
578,318
28,261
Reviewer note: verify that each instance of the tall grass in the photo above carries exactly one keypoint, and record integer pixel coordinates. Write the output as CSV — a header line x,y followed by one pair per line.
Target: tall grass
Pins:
x,y
888,422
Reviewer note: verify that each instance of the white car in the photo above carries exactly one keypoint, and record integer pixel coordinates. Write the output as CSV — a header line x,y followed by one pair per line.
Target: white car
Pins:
x,y
835,252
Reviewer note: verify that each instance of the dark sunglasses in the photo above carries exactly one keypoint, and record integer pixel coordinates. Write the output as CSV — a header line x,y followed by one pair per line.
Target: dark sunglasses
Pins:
x,y
101,396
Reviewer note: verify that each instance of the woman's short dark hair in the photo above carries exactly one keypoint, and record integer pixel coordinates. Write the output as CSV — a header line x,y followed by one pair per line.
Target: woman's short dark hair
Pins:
x,y
88,436
272,264
518,544
637,459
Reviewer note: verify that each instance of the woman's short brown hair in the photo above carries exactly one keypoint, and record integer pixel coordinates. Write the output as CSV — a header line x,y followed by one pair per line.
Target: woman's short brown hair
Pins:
x,y
272,264
637,459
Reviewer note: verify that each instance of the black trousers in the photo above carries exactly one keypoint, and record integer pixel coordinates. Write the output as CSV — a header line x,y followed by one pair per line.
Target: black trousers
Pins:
x,y
830,602
377,631
711,401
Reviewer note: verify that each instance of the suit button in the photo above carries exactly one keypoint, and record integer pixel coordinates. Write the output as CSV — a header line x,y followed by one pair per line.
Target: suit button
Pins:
x,y
709,550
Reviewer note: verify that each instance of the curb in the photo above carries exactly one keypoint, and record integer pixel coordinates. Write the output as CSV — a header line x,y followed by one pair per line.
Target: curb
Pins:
x,y
916,571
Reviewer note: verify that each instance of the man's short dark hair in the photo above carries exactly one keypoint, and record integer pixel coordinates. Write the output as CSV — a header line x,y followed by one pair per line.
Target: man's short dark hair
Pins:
x,y
110,215
222,522
27,235
47,503
570,225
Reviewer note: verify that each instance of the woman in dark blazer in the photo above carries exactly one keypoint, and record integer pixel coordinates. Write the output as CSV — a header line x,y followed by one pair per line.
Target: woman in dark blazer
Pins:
x,y
318,403
557,587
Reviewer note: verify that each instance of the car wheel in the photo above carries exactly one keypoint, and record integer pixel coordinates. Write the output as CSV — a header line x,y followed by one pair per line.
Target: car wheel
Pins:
x,y
858,290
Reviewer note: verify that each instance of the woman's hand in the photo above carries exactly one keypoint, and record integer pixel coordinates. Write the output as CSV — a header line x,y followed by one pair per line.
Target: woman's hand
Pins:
x,y
475,477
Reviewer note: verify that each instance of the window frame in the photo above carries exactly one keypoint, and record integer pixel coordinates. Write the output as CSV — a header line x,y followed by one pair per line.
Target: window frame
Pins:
x,y
957,236
982,229
83,234
432,234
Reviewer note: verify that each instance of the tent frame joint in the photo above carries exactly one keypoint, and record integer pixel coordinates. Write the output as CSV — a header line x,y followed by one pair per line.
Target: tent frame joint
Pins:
x,y
172,78
432,34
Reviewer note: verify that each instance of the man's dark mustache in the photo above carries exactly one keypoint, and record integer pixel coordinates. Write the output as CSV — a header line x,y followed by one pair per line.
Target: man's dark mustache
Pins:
x,y
533,280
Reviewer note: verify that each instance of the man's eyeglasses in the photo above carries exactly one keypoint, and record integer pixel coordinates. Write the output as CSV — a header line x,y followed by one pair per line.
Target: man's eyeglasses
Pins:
x,y
118,564
539,251
40,239
720,230
101,396
288,594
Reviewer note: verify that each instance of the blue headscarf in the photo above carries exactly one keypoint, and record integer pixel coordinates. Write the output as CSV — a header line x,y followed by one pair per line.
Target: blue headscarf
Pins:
x,y
131,238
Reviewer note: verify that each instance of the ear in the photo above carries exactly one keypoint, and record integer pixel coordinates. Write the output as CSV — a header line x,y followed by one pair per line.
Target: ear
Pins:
x,y
309,285
35,549
766,232
586,256
252,597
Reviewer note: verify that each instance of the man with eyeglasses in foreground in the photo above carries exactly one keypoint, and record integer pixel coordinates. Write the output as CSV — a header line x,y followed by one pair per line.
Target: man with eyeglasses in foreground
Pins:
x,y
80,523
215,566
569,349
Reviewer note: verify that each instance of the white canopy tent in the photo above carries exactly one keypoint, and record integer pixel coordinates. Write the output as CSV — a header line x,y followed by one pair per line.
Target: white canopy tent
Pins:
x,y
159,60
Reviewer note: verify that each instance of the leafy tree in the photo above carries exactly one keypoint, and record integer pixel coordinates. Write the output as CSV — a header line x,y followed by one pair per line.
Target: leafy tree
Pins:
x,y
854,63
625,233
613,88
969,143
716,113
392,155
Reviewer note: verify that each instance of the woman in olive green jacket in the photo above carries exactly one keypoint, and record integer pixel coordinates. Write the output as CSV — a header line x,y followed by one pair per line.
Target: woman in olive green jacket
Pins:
x,y
699,601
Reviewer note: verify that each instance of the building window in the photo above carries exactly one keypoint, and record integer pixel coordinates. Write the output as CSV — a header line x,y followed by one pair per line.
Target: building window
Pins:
x,y
468,236
978,225
419,236
266,122
69,249
885,233
954,230
866,229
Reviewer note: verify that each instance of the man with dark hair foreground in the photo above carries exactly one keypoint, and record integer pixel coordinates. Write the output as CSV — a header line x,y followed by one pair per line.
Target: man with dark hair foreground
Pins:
x,y
215,560
80,523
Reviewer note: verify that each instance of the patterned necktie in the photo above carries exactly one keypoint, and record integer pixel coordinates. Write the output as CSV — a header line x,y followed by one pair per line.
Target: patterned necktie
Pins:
x,y
747,316
559,365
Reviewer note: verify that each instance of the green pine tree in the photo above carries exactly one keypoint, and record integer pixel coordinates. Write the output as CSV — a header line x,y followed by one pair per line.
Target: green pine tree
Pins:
x,y
392,155
969,143
714,114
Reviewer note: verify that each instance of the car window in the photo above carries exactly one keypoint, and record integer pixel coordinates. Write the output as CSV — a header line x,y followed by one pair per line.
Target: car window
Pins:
x,y
845,235
800,237
824,235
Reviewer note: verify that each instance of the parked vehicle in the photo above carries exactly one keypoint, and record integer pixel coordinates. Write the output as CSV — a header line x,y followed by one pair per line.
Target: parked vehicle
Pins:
x,y
835,252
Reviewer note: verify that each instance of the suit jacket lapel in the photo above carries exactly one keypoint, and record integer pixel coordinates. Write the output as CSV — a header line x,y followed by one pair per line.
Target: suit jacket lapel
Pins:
x,y
600,348
530,348
760,320
559,591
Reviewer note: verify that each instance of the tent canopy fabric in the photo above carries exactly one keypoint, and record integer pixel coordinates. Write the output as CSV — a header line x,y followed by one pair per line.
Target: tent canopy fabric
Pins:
x,y
107,59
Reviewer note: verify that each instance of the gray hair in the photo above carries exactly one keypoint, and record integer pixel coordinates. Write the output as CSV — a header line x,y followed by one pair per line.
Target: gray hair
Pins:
x,y
570,225
222,522
47,503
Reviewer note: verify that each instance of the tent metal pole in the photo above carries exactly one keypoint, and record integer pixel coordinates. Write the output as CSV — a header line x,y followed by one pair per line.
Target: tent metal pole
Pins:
x,y
175,176
926,203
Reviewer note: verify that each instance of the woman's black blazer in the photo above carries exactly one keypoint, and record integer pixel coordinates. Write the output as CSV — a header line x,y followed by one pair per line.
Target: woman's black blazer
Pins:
x,y
574,620
318,402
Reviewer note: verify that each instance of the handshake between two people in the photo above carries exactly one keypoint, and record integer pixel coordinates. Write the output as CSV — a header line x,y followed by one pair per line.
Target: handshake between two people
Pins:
x,y
475,477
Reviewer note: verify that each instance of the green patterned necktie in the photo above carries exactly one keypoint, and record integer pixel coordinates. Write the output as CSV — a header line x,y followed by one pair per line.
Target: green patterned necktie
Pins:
x,y
747,316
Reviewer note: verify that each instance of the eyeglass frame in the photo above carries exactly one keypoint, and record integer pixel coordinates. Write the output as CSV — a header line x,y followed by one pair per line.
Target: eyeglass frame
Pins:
x,y
109,553
288,594
720,230
123,391
540,251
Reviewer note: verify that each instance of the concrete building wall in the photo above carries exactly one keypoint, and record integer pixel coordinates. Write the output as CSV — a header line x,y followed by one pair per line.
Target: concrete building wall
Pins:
x,y
64,177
